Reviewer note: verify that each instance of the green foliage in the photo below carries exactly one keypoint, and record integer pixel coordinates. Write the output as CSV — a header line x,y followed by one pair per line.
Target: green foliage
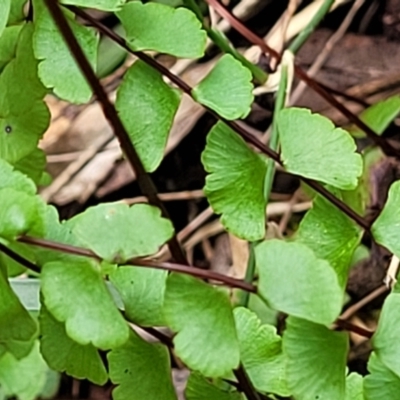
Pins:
x,y
115,232
261,353
141,370
227,89
379,116
84,304
331,235
382,382
293,280
58,69
23,115
23,378
314,148
386,228
64,354
161,28
235,186
316,366
191,308
147,107
142,291
76,294
199,388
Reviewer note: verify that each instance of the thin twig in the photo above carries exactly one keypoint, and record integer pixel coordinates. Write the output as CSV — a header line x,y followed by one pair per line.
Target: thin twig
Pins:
x,y
329,45
19,259
245,384
348,326
139,262
145,182
364,301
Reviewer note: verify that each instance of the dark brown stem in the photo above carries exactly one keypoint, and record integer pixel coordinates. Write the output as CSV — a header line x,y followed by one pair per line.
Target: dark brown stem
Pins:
x,y
246,135
348,326
138,262
19,259
245,384
145,182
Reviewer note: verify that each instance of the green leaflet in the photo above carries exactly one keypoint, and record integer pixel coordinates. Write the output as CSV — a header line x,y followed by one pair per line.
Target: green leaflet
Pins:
x,y
261,353
20,213
386,227
202,317
385,340
23,115
235,184
5,6
142,291
199,388
15,179
8,44
161,28
147,106
106,5
382,383
16,12
141,370
314,148
378,116
75,293
33,165
227,89
64,354
293,280
316,360
331,235
17,328
57,68
354,387
117,232
23,378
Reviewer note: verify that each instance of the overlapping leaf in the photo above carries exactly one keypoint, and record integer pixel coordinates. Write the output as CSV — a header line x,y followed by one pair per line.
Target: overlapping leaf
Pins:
x,y
15,179
385,340
235,184
316,360
8,44
117,232
147,106
17,328
379,116
261,353
142,291
5,6
293,280
19,213
23,378
65,355
16,12
58,69
227,89
199,388
381,383
23,115
75,293
202,317
314,148
162,28
354,387
141,370
331,235
33,165
386,227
